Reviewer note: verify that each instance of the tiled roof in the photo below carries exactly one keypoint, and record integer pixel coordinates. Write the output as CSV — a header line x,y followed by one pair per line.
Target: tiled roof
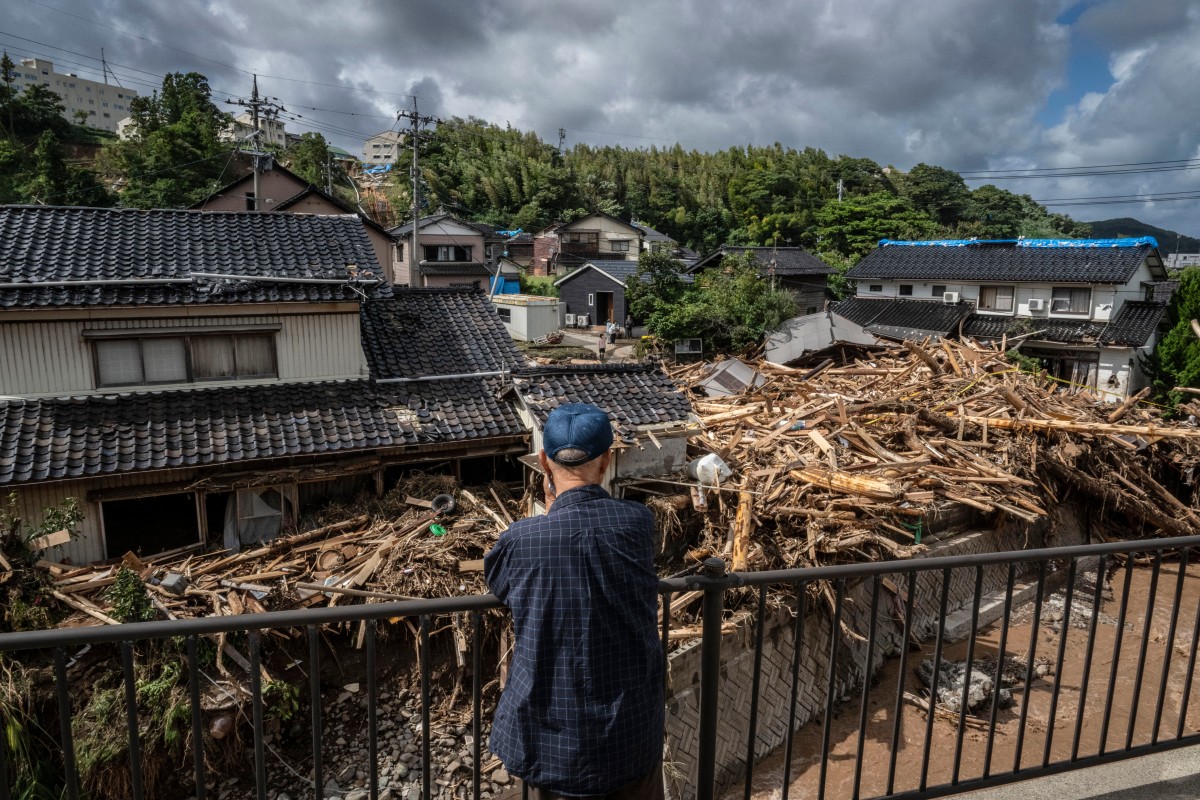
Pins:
x,y
631,394
903,319
78,437
99,435
620,270
1003,262
788,260
651,235
148,257
424,332
453,410
988,326
1134,324
1161,291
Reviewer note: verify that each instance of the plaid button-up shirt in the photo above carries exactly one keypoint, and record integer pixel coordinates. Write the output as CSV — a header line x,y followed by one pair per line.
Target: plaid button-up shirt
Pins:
x,y
582,712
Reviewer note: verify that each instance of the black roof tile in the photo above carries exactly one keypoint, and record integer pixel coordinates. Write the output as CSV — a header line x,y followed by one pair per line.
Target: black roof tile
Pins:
x,y
988,326
1004,261
1134,324
788,260
631,394
129,249
424,332
903,319
78,437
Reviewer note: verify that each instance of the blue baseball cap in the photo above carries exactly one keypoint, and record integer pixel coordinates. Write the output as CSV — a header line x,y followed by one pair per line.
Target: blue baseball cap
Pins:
x,y
576,426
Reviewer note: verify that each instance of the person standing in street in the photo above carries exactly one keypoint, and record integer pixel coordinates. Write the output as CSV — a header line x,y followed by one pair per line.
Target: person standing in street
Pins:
x,y
611,330
601,344
582,713
629,326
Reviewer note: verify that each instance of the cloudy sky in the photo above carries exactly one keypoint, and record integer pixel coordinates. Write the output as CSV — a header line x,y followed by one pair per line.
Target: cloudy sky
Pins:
x,y
986,87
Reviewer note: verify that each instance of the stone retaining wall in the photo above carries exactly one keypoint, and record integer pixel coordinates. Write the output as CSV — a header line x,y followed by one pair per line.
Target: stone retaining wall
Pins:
x,y
1066,527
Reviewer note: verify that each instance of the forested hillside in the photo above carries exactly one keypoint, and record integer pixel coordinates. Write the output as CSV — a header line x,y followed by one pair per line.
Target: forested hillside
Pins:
x,y
1127,226
742,195
839,206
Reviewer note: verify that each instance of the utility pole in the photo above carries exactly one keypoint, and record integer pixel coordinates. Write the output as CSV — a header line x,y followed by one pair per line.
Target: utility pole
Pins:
x,y
269,108
839,190
416,121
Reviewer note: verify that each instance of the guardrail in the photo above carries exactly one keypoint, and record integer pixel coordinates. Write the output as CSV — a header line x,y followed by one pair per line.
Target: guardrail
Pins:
x,y
1098,694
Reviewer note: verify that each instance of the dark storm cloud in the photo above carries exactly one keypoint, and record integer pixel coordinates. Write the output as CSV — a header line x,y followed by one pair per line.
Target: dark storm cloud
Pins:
x,y
959,83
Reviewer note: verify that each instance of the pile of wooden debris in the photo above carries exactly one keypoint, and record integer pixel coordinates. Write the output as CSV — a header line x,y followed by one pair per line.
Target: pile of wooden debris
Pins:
x,y
847,459
406,546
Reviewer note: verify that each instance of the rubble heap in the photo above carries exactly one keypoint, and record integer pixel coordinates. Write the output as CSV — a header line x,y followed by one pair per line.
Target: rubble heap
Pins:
x,y
846,459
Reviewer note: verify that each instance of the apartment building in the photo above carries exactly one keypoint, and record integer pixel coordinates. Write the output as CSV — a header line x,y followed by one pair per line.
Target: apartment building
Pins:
x,y
104,104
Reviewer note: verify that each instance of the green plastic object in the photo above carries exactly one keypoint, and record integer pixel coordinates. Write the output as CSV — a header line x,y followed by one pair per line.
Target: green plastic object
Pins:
x,y
437,530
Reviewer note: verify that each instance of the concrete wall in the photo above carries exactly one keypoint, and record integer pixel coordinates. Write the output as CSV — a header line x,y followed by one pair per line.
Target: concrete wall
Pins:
x,y
530,318
737,657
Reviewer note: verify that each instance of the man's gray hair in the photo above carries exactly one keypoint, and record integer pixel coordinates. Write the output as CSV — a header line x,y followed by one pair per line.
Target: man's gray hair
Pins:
x,y
571,457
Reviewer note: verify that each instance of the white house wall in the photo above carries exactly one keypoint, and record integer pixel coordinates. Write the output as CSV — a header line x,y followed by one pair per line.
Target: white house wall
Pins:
x,y
52,358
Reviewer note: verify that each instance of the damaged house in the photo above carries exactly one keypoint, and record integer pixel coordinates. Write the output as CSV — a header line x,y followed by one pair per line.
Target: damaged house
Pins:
x,y
651,416
200,378
1088,309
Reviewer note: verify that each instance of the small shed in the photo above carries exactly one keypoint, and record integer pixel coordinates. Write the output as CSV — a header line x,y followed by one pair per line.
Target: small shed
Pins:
x,y
528,317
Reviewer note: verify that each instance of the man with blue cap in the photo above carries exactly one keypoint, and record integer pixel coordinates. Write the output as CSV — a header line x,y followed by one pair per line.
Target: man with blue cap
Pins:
x,y
582,713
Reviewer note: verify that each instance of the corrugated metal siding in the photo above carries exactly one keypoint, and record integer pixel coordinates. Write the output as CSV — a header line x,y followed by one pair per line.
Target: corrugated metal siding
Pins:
x,y
52,358
321,346
42,357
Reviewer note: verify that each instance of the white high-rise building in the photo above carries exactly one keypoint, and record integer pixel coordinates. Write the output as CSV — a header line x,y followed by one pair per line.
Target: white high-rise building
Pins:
x,y
104,104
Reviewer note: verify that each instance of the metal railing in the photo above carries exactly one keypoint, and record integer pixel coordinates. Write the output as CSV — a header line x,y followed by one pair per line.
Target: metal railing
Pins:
x,y
1144,663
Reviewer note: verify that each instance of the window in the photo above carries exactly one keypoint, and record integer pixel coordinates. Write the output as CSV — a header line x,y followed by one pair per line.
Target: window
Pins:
x,y
906,290
250,202
1070,300
447,252
620,245
591,299
875,287
937,291
505,314
996,298
184,359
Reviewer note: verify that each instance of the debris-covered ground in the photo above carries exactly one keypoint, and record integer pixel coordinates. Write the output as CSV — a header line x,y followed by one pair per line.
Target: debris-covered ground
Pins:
x,y
848,458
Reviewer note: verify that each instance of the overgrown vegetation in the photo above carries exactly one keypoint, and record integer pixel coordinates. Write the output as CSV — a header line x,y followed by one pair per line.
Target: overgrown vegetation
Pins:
x,y
1176,359
130,603
730,309
25,606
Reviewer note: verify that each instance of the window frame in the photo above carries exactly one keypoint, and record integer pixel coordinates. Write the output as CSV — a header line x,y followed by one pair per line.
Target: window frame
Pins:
x,y
938,290
1071,296
505,314
187,337
904,290
996,287
619,245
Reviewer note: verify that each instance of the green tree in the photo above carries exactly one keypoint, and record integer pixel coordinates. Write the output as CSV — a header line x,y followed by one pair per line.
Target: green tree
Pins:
x,y
730,309
310,158
939,192
855,226
175,156
1176,359
654,286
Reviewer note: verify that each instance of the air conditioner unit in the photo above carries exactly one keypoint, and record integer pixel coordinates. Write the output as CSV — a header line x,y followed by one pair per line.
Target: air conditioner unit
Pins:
x,y
581,320
689,347
1037,304
949,297
569,320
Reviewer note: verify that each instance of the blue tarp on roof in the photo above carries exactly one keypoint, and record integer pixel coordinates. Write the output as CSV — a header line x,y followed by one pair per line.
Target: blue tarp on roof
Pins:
x,y
1129,242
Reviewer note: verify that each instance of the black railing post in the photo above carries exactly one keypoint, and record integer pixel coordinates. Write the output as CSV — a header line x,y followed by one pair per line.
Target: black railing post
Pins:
x,y
710,671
